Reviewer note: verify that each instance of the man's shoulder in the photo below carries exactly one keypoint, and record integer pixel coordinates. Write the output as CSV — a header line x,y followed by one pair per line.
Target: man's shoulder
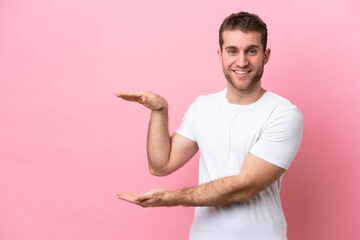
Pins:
x,y
279,102
280,107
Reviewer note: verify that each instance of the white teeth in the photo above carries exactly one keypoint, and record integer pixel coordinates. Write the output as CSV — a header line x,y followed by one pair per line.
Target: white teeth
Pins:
x,y
241,72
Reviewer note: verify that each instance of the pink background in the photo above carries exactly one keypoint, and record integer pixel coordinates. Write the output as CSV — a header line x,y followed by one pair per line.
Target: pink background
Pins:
x,y
68,145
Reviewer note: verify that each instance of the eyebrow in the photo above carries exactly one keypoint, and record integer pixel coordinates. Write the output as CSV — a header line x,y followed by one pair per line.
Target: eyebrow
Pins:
x,y
247,48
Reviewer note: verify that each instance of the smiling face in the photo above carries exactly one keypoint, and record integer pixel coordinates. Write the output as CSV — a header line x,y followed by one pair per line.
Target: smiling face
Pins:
x,y
243,59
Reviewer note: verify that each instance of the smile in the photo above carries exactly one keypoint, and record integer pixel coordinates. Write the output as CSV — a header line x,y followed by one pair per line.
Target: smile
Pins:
x,y
242,71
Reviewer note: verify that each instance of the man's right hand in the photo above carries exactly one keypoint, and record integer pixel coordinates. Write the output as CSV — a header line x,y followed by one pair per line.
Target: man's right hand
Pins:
x,y
165,154
150,100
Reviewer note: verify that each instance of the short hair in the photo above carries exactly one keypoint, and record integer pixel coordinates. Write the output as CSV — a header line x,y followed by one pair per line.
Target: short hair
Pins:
x,y
244,22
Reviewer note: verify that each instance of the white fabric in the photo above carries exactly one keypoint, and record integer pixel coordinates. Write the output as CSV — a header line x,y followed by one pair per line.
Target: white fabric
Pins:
x,y
271,129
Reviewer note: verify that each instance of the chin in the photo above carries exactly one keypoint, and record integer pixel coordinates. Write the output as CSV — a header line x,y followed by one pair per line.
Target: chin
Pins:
x,y
248,86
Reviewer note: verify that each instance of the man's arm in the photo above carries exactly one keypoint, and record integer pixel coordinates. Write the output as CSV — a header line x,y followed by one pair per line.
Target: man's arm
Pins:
x,y
165,154
256,174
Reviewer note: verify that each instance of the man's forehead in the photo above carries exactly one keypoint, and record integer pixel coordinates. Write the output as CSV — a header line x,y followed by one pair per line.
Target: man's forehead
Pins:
x,y
241,39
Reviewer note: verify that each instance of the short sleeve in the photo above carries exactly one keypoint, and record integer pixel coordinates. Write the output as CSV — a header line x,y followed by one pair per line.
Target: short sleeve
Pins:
x,y
187,127
281,139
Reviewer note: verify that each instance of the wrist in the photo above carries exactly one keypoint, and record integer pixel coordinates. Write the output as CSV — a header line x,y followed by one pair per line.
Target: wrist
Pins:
x,y
163,105
163,111
163,108
173,198
167,199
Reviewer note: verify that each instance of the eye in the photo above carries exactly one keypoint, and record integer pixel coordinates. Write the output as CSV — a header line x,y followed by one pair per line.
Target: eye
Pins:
x,y
252,51
232,52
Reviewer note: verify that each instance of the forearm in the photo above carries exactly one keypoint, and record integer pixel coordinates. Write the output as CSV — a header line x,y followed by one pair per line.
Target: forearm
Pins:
x,y
158,140
165,154
223,191
255,175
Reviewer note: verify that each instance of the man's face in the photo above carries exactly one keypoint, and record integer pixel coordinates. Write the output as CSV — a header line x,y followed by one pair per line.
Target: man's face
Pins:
x,y
243,59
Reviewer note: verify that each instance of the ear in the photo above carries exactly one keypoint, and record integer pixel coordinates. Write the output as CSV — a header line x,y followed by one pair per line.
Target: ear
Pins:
x,y
219,54
267,55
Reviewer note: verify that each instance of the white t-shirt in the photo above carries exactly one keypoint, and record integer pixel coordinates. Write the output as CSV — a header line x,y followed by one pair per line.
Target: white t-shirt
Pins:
x,y
270,128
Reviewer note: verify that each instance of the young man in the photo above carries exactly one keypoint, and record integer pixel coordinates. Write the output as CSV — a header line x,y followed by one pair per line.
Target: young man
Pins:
x,y
247,138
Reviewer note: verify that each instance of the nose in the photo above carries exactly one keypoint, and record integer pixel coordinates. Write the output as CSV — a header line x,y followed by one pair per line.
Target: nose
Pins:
x,y
242,60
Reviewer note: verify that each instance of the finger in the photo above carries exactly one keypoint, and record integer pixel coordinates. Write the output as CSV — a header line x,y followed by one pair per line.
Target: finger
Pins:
x,y
133,99
128,97
135,94
129,197
139,97
145,100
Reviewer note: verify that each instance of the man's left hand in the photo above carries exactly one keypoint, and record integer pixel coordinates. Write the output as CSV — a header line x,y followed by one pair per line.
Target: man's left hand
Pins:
x,y
153,198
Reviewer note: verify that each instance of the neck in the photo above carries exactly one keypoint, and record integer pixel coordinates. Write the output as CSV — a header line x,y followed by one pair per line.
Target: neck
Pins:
x,y
244,97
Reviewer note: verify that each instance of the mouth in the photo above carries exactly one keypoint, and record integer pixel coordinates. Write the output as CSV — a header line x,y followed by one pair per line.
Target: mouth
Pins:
x,y
241,73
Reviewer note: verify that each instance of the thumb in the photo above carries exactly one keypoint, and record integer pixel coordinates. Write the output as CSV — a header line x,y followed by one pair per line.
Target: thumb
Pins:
x,y
143,197
149,195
